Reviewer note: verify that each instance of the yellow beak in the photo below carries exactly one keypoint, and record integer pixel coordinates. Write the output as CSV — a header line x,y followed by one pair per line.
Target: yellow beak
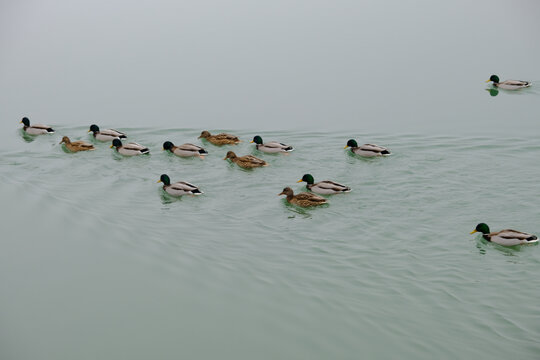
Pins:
x,y
488,80
300,180
346,146
89,130
251,142
159,181
111,146
472,232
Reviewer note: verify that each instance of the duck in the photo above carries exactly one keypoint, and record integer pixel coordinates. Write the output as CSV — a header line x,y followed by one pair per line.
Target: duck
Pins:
x,y
220,139
75,146
271,147
185,150
303,199
367,150
37,129
130,149
246,162
325,187
107,134
178,188
509,84
506,237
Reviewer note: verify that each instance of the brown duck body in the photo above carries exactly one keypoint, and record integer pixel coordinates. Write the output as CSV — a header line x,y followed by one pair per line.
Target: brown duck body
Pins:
x,y
75,146
220,139
247,162
303,199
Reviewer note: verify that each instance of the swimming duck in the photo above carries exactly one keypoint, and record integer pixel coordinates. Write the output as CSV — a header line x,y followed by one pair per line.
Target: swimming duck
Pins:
x,y
507,237
107,134
303,199
271,147
367,150
75,146
247,162
36,129
178,188
219,139
185,149
130,149
325,187
509,84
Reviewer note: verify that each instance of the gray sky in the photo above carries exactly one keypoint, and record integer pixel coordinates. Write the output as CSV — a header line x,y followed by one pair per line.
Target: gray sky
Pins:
x,y
407,66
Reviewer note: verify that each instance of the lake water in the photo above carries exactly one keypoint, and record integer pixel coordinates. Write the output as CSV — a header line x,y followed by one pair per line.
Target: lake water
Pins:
x,y
97,262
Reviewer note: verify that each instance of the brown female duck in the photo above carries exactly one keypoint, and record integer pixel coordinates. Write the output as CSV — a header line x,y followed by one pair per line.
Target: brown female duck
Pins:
x,y
303,199
75,146
220,139
247,162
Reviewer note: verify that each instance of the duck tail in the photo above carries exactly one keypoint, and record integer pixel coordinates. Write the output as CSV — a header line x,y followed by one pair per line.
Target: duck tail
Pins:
x,y
532,238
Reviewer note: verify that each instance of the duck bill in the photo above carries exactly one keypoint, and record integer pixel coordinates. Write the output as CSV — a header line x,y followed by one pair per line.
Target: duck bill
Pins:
x,y
472,232
251,142
488,80
300,180
346,146
281,193
111,146
158,181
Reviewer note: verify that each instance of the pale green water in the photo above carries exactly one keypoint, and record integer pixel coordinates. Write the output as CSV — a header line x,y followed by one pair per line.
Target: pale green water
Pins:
x,y
99,263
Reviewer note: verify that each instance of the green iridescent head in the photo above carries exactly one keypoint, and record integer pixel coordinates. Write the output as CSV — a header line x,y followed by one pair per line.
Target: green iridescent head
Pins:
x,y
167,145
351,143
116,143
164,178
257,140
483,228
307,178
494,78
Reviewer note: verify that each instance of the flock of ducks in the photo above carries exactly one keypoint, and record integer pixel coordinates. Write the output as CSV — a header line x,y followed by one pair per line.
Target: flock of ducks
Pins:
x,y
304,199
505,237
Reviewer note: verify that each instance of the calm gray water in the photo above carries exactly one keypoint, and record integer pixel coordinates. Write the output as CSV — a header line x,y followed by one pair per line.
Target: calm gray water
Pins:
x,y
96,262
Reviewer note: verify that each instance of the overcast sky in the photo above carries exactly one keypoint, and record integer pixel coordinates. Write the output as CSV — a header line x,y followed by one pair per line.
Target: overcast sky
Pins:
x,y
383,66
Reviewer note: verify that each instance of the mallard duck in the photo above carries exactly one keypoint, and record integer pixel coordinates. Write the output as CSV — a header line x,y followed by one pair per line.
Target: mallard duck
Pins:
x,y
178,188
75,146
270,147
507,237
219,139
367,150
303,199
107,134
36,129
129,149
185,150
509,84
247,162
325,187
